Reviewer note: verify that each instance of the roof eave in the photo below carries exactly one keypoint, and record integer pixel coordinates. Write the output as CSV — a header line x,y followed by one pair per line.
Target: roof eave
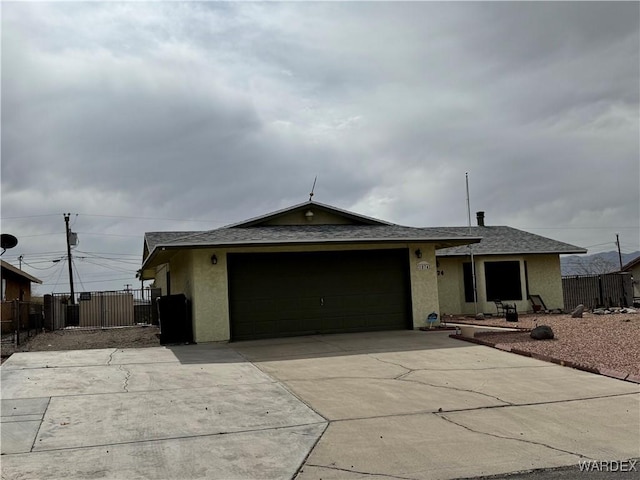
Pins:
x,y
22,273
440,242
535,252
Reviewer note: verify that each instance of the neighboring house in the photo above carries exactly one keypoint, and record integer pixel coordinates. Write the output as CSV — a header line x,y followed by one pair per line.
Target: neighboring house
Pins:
x,y
310,268
16,293
633,267
16,284
510,265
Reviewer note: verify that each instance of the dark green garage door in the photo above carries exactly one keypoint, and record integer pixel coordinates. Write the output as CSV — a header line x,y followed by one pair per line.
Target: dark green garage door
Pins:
x,y
284,294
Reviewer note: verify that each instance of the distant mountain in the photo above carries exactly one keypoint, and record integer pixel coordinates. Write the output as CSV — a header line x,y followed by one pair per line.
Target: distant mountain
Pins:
x,y
605,262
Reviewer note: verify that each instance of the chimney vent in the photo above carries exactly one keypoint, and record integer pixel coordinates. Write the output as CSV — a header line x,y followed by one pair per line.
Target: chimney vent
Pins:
x,y
480,218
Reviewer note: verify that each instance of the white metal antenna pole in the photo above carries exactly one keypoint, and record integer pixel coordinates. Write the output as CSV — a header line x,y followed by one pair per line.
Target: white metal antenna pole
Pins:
x,y
466,177
473,263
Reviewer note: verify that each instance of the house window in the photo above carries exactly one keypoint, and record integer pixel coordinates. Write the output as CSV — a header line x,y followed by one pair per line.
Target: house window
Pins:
x,y
503,280
4,289
468,282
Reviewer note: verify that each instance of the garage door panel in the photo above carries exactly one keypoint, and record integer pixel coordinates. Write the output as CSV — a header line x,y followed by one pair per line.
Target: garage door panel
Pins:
x,y
320,292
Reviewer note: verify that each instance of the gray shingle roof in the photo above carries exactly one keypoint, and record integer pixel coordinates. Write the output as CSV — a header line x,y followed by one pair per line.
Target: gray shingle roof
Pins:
x,y
502,240
304,234
152,239
156,242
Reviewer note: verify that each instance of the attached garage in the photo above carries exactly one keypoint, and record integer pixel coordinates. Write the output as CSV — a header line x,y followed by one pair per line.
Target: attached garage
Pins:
x,y
307,269
286,294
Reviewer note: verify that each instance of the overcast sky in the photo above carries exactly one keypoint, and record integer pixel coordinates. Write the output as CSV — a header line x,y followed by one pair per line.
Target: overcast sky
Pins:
x,y
141,117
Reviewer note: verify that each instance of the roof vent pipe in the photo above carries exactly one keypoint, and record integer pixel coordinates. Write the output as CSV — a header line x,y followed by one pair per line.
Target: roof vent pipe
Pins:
x,y
480,218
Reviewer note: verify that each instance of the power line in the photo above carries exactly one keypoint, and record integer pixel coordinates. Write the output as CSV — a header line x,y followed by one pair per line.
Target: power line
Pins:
x,y
101,281
108,253
110,234
33,216
37,268
151,218
108,267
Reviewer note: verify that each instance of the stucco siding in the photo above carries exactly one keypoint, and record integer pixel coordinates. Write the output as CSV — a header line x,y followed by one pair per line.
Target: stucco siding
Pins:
x,y
542,274
451,286
160,280
545,279
424,283
210,304
635,273
181,276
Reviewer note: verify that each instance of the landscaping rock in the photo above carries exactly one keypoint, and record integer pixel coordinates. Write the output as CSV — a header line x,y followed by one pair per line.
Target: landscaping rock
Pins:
x,y
577,313
480,316
543,332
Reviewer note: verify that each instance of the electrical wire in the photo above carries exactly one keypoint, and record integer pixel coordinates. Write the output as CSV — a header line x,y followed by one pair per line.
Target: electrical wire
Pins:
x,y
61,270
37,268
115,269
77,273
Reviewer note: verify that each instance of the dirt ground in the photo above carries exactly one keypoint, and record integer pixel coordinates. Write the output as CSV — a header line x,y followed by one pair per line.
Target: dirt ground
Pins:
x,y
84,339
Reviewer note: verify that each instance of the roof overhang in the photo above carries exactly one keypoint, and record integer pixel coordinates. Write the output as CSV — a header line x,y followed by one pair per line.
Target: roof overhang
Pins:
x,y
18,272
162,254
533,252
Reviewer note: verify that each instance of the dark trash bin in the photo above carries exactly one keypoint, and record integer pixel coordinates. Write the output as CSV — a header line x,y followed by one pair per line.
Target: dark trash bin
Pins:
x,y
73,315
174,315
510,313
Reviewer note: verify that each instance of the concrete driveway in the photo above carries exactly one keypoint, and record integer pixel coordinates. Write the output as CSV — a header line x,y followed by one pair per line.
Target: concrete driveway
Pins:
x,y
386,405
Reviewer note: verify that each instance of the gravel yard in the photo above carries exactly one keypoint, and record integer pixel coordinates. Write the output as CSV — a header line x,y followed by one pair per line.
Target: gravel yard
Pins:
x,y
602,342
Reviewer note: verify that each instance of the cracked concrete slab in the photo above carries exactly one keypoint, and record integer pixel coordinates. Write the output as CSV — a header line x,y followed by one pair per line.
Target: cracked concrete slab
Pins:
x,y
318,346
48,382
169,412
360,366
268,454
380,423
344,398
420,446
461,358
206,353
144,413
89,420
527,384
24,406
18,437
59,381
601,428
70,358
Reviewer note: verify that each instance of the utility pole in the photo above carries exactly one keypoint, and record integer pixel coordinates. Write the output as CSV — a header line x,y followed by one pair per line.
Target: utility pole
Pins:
x,y
619,253
623,297
66,222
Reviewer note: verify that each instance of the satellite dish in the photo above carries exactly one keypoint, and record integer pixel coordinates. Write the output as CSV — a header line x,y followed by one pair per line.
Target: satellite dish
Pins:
x,y
7,241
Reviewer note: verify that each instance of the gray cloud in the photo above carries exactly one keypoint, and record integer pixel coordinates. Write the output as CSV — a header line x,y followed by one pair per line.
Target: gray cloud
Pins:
x,y
223,111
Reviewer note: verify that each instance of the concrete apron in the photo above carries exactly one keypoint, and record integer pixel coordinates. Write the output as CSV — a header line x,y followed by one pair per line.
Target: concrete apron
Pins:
x,y
397,404
418,405
198,411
